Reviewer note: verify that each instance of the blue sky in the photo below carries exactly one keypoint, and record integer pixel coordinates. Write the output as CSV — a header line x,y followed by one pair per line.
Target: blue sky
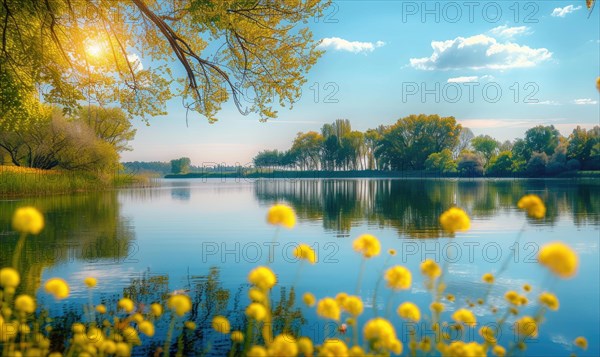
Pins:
x,y
497,67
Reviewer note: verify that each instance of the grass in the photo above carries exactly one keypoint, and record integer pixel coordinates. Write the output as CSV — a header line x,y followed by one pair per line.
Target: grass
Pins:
x,y
19,181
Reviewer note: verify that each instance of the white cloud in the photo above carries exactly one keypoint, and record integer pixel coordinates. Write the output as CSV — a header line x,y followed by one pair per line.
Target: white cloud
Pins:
x,y
563,11
463,79
478,52
467,79
339,44
509,32
585,101
136,62
544,102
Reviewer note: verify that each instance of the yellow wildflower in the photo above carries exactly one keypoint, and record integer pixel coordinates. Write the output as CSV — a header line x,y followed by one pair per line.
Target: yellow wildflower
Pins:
x,y
409,311
465,316
109,347
283,345
25,303
430,269
256,311
180,304
28,220
460,348
237,336
367,245
450,297
262,277
559,258
256,295
356,351
78,328
333,347
340,298
101,309
156,309
488,278
513,297
455,220
281,215
381,333
526,288
550,300
90,282
305,347
328,308
499,351
305,252
533,205
9,278
190,325
581,342
527,327
354,305
436,307
488,334
137,317
57,287
392,252
131,335
221,324
147,328
257,351
126,304
398,277
309,299
123,350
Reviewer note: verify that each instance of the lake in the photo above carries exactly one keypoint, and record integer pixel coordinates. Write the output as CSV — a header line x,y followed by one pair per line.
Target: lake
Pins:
x,y
174,235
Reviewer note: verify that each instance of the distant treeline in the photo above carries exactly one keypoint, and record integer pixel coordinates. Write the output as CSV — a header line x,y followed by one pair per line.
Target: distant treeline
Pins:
x,y
177,166
436,144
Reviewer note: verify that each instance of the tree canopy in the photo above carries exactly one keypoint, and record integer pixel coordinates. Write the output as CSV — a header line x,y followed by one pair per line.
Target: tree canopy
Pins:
x,y
63,52
439,145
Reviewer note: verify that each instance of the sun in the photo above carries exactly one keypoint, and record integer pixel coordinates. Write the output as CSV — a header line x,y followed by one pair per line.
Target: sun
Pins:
x,y
94,50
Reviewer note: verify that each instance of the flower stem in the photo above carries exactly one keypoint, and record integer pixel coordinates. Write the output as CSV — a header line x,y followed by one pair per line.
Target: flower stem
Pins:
x,y
18,249
360,274
167,346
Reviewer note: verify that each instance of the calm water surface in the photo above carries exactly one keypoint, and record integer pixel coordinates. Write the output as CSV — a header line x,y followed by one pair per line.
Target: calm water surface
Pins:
x,y
175,233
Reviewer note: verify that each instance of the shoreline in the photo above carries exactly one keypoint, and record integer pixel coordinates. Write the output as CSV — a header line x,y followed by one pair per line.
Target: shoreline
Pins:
x,y
318,174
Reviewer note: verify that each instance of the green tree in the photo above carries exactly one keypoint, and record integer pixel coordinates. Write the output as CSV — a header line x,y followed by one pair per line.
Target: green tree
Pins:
x,y
87,49
581,146
536,165
353,150
307,150
486,146
558,161
181,165
470,164
54,141
111,125
500,165
441,162
270,158
541,139
409,142
334,153
372,138
464,141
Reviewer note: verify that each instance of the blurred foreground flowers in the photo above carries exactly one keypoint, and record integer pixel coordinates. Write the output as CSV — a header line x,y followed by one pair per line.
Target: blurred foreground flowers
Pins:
x,y
115,330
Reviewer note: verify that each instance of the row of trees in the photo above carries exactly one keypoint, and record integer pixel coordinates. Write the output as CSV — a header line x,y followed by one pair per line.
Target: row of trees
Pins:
x,y
89,140
434,143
